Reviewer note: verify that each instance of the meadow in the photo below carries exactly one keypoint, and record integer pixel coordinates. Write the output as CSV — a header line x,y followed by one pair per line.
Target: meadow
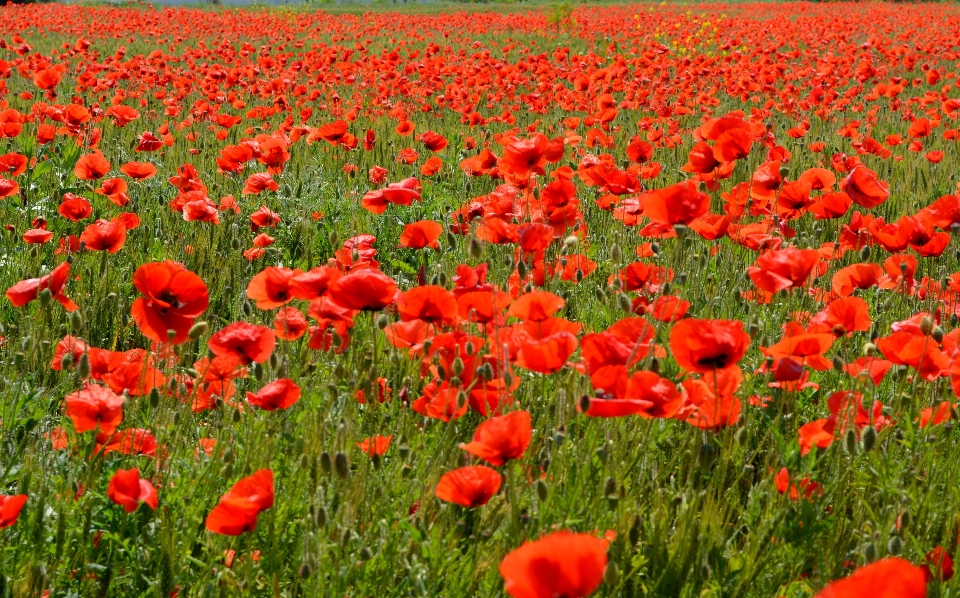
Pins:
x,y
633,300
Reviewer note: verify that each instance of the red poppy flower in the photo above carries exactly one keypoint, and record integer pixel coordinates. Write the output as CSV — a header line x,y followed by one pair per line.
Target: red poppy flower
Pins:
x,y
10,507
313,283
470,486
781,269
47,79
105,235
887,578
128,490
375,446
938,565
536,306
75,208
279,394
677,204
403,193
259,182
272,287
26,291
707,345
244,341
501,438
139,171
432,304
366,289
864,188
94,408
91,167
423,233
238,509
559,564
547,355
174,297
433,141
289,324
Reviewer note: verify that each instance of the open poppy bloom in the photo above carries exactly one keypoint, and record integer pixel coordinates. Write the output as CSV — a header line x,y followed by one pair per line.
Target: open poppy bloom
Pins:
x,y
26,291
559,564
375,446
430,303
403,193
365,289
423,233
707,345
887,578
279,394
128,490
173,298
94,408
238,509
243,341
10,507
470,486
501,438
272,287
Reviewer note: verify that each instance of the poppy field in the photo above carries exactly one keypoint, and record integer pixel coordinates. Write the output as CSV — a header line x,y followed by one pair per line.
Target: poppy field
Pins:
x,y
638,300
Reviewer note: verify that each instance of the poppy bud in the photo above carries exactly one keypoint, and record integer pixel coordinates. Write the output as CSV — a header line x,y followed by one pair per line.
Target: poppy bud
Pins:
x,y
753,329
571,242
154,398
655,365
838,363
616,253
442,279
228,455
258,372
326,463
559,436
864,253
235,244
850,442
611,574
522,269
44,297
76,322
227,471
406,470
784,171
246,308
937,334
451,240
461,400
894,545
171,334
742,436
633,532
542,490
869,438
197,330
654,248
457,366
66,362
321,517
600,293
274,361
476,248
905,520
926,325
707,455
870,552
624,302
237,416
748,471
584,403
680,229
365,554
334,238
305,570
341,466
869,349
83,367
